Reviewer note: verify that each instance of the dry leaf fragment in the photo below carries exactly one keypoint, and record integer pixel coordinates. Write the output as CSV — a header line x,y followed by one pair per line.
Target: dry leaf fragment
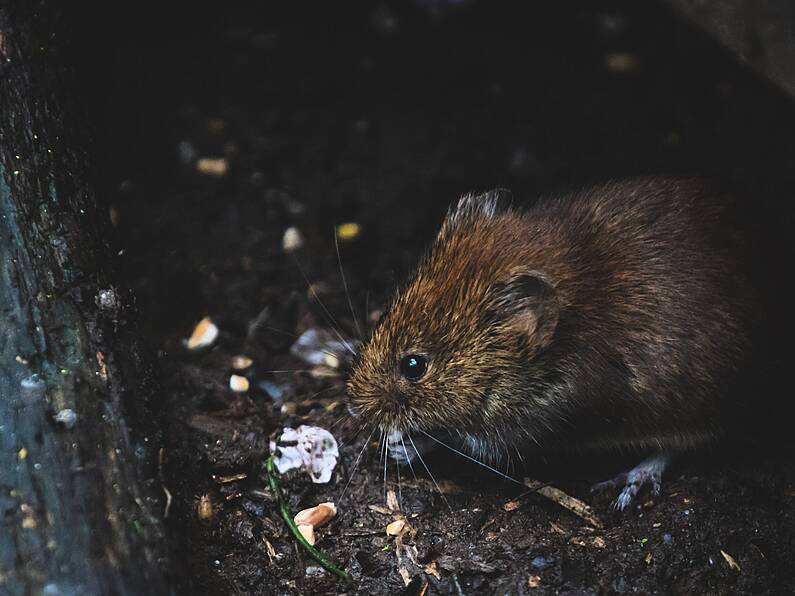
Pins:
x,y
308,532
405,575
648,558
269,548
316,516
511,506
204,334
730,560
379,509
238,383
396,528
432,569
392,501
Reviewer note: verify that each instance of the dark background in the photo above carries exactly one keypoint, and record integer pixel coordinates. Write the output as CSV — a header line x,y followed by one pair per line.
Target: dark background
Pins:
x,y
384,113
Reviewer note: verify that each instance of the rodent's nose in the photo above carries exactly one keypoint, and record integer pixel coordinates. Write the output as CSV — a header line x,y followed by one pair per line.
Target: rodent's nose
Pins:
x,y
393,402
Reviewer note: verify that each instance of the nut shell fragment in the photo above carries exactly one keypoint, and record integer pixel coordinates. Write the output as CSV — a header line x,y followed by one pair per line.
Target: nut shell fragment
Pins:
x,y
238,384
308,532
396,527
204,334
241,362
316,516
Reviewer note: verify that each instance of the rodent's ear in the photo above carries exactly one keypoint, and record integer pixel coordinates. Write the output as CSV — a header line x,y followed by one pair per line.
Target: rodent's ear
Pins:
x,y
527,303
477,206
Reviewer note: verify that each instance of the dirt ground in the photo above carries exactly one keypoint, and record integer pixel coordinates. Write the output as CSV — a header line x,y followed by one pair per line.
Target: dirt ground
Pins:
x,y
382,114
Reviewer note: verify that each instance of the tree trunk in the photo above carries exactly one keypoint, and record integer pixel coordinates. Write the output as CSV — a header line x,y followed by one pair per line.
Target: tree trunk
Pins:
x,y
78,449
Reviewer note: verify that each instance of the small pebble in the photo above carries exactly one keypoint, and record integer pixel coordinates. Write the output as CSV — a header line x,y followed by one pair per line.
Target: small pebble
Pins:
x,y
314,571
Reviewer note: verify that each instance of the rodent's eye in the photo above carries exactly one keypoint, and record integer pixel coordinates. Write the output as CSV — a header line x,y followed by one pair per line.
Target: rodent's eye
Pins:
x,y
413,366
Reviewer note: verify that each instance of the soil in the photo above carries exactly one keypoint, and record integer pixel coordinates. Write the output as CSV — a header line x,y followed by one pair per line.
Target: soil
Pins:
x,y
382,114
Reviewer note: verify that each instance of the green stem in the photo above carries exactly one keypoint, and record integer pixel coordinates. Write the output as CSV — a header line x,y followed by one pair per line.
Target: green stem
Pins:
x,y
273,482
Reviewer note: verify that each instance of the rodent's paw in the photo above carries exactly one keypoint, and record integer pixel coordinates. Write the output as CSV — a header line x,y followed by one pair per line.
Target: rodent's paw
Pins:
x,y
649,472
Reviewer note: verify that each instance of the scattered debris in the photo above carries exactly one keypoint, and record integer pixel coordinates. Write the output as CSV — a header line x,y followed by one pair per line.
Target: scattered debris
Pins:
x,y
273,482
348,231
392,501
589,541
511,506
309,447
204,334
308,532
212,166
320,347
573,504
230,478
204,508
730,560
103,368
292,239
241,362
273,554
316,516
534,581
433,569
67,417
396,528
238,383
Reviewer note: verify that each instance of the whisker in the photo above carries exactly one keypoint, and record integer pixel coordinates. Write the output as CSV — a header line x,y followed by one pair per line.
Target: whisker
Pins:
x,y
356,463
408,459
332,321
386,460
422,461
352,439
300,370
345,285
470,458
400,488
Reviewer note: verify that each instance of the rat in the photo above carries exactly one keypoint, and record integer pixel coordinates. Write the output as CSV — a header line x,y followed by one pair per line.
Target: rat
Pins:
x,y
621,317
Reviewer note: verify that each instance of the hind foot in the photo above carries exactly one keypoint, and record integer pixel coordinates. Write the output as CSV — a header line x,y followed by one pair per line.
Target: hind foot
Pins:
x,y
649,471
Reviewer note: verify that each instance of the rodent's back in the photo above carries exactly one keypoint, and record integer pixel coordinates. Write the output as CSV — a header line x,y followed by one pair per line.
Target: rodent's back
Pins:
x,y
656,290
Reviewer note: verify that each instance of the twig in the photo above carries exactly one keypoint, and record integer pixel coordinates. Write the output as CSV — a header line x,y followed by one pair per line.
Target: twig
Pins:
x,y
577,507
273,481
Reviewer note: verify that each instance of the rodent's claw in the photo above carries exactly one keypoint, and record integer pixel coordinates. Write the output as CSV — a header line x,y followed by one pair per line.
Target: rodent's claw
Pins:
x,y
649,471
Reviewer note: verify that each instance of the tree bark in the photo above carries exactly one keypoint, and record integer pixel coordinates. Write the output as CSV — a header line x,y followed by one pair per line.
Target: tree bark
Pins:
x,y
80,504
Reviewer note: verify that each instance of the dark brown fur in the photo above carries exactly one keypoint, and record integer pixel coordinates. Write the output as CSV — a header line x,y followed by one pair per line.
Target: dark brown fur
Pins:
x,y
620,316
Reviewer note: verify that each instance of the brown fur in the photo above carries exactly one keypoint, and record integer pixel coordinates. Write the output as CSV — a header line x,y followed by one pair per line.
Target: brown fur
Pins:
x,y
619,316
